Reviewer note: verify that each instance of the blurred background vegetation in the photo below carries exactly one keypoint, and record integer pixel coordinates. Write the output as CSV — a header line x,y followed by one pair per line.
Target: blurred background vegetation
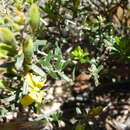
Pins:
x,y
65,63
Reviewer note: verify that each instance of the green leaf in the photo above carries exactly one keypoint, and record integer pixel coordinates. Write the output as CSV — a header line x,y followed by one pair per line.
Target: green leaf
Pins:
x,y
7,50
83,60
65,64
85,54
117,40
56,116
57,51
63,76
58,64
38,43
9,99
47,65
49,57
19,61
100,68
25,88
4,112
46,62
52,74
38,70
80,55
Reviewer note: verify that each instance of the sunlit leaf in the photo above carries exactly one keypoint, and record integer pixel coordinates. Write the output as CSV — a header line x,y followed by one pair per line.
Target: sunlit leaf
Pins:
x,y
38,70
63,76
20,60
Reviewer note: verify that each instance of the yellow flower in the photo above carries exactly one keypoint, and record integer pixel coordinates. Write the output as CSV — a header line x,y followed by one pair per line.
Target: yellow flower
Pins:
x,y
35,83
33,96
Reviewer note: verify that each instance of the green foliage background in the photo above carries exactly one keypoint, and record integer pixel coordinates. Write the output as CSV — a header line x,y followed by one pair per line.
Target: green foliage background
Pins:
x,y
47,38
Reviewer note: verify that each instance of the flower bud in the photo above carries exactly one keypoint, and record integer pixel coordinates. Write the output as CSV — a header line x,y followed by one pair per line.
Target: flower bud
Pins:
x,y
19,17
28,51
34,15
7,36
